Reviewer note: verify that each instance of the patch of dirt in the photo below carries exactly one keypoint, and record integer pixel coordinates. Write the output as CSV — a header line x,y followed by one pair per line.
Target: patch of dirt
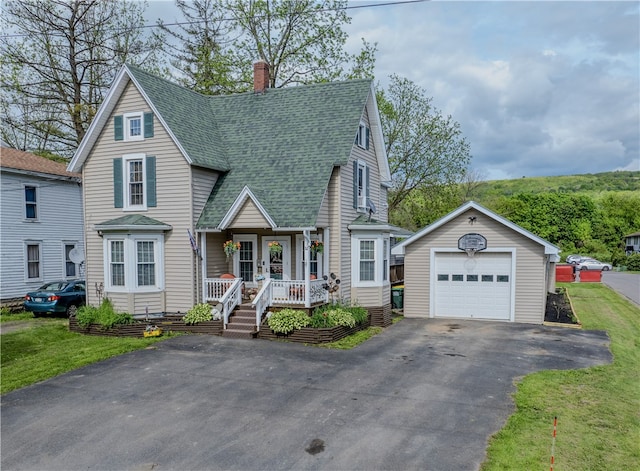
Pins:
x,y
559,308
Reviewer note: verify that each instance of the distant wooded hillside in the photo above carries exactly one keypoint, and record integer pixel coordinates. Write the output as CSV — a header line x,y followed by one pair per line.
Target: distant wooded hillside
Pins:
x,y
590,184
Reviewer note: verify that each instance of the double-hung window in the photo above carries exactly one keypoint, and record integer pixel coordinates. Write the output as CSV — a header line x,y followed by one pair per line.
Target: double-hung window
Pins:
x,y
134,182
69,265
31,203
367,260
134,262
33,269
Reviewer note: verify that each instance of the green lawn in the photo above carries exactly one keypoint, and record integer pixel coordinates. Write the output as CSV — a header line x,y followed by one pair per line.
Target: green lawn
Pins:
x,y
47,349
598,409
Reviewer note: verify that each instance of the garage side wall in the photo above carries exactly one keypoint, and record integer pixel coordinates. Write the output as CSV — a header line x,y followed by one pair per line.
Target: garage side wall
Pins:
x,y
528,279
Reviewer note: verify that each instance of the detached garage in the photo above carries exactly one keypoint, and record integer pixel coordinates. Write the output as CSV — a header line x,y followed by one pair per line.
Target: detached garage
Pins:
x,y
475,264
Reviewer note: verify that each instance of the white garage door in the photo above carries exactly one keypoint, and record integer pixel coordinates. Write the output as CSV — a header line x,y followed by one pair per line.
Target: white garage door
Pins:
x,y
473,288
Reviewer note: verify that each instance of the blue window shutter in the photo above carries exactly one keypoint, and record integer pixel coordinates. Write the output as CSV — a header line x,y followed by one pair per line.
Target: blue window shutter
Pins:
x,y
366,146
151,182
118,127
117,183
355,184
148,125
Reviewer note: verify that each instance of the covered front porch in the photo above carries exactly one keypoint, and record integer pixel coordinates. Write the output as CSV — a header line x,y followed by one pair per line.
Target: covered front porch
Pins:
x,y
259,270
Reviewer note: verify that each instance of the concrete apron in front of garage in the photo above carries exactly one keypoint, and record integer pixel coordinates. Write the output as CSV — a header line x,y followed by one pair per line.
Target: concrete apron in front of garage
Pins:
x,y
424,394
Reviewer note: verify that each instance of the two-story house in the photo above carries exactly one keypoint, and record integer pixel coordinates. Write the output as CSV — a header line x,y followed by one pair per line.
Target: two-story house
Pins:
x,y
294,179
41,224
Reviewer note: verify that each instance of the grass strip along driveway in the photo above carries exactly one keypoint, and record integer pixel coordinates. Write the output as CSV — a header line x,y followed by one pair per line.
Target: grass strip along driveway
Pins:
x,y
46,349
598,409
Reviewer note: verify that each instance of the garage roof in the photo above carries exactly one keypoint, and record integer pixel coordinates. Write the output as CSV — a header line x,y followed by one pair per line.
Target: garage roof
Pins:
x,y
549,248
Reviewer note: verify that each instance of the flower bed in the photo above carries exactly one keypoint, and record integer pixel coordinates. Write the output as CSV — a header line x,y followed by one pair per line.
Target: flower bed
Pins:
x,y
167,323
311,335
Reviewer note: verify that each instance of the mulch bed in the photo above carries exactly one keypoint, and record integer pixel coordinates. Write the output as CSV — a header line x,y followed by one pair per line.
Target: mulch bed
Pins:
x,y
559,309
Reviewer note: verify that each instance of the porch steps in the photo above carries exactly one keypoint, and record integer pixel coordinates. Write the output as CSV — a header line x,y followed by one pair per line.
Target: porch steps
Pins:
x,y
242,323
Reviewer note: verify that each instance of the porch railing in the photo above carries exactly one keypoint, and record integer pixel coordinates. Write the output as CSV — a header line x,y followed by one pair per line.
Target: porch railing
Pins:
x,y
226,291
294,292
262,301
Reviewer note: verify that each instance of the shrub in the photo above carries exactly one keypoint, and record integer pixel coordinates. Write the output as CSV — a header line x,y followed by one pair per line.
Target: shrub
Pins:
x,y
341,316
198,313
321,320
287,320
633,262
359,313
105,315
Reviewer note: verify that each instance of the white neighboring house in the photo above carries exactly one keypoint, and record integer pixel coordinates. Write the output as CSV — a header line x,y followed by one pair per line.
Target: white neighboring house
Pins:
x,y
41,223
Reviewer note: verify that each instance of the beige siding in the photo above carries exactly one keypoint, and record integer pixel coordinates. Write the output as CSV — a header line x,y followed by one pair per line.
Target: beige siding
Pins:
x,y
203,181
217,262
249,217
174,191
529,257
323,219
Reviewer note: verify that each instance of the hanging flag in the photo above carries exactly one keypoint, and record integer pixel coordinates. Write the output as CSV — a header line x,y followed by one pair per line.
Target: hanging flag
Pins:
x,y
194,246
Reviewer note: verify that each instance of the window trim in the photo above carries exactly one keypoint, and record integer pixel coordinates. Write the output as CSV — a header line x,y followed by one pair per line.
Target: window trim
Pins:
x,y
126,160
40,276
127,118
362,136
378,239
130,246
36,190
362,199
253,238
65,260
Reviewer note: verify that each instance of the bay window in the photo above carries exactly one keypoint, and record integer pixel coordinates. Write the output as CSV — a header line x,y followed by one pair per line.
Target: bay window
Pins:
x,y
134,262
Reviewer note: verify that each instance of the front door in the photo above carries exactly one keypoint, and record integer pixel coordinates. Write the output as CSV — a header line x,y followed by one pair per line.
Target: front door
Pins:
x,y
246,260
276,261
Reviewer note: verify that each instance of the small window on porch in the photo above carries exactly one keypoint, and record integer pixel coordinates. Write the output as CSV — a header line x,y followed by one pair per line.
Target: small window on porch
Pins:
x,y
246,257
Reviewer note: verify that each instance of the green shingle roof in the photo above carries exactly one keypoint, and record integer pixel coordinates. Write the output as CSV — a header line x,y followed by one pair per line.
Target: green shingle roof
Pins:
x,y
282,144
132,221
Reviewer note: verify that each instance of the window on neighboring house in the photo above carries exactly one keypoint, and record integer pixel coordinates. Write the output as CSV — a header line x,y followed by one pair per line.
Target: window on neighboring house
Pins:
x,y
33,260
367,260
69,265
362,138
134,262
31,202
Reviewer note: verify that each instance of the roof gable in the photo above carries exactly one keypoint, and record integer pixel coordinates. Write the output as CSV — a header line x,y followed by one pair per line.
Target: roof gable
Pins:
x,y
549,249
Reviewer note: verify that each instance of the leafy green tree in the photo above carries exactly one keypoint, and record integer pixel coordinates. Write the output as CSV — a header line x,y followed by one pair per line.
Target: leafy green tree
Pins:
x,y
58,60
426,150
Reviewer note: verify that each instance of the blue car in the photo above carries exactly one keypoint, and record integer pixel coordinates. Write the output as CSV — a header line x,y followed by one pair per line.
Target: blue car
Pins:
x,y
58,297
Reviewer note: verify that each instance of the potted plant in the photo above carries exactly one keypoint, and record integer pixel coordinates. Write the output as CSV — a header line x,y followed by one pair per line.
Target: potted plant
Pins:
x,y
317,246
230,247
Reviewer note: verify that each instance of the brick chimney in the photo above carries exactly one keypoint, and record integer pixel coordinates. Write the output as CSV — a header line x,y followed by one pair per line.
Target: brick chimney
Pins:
x,y
260,76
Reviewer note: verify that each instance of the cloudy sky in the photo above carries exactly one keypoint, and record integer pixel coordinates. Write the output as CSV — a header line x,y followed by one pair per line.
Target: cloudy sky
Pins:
x,y
539,88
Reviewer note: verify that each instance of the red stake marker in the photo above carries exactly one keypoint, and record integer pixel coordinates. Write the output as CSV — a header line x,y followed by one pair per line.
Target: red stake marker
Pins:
x,y
553,441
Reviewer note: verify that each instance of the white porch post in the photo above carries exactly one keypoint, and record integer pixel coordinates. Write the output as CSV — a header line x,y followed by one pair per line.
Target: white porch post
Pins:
x,y
306,235
203,252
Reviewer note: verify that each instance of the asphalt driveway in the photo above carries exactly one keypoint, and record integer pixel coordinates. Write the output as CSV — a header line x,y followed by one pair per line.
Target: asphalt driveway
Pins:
x,y
422,395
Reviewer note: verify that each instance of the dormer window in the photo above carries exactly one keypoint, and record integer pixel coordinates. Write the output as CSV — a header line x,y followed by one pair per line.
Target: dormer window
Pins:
x,y
362,138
